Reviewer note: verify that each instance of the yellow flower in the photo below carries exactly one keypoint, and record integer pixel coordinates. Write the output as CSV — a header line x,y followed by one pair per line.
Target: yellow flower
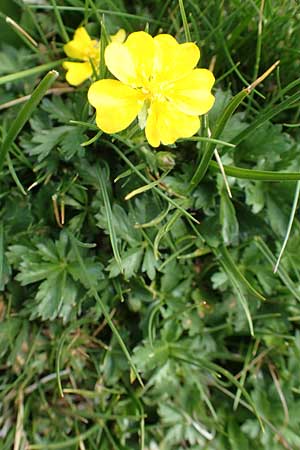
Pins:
x,y
157,81
88,50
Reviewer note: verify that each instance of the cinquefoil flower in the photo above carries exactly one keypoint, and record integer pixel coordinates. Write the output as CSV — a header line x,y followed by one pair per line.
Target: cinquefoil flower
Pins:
x,y
87,50
157,81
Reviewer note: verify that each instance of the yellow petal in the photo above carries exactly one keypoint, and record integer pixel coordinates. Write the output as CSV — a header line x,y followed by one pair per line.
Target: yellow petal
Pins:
x,y
173,60
191,94
77,48
166,124
77,72
141,48
119,37
132,61
117,105
119,62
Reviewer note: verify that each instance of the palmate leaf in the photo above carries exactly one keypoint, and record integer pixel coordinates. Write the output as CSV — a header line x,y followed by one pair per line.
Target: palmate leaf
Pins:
x,y
13,60
67,139
46,140
123,224
131,261
56,296
58,109
56,267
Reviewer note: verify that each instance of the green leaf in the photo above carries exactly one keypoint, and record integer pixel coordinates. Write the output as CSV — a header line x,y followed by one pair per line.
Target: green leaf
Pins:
x,y
56,297
25,113
54,265
228,220
102,178
149,263
252,174
48,140
130,263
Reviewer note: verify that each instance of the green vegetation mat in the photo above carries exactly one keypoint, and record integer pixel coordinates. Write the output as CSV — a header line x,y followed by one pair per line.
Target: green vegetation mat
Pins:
x,y
148,300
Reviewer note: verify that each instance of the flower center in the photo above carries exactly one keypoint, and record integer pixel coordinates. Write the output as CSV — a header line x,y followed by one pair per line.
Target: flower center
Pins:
x,y
154,90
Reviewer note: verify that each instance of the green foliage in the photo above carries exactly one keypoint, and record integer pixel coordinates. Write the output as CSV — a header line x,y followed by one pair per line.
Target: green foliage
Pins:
x,y
117,263
57,269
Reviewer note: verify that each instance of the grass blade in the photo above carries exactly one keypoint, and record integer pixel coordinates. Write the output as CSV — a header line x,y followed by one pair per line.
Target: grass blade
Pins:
x,y
109,217
240,296
61,27
145,188
29,72
1,256
290,224
67,443
187,33
283,275
25,113
218,369
252,174
14,175
136,17
224,256
270,112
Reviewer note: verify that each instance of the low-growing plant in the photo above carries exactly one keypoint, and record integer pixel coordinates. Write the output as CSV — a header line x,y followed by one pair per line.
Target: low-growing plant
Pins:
x,y
149,248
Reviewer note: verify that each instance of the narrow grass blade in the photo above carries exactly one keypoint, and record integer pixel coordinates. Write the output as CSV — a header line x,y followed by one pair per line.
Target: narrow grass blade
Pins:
x,y
25,113
88,125
259,39
265,115
92,140
26,38
23,99
154,222
240,296
1,256
204,363
104,309
14,175
243,377
175,255
164,230
283,275
219,161
252,174
145,188
184,21
128,172
61,26
246,405
35,21
221,167
209,140
104,40
29,72
122,14
109,217
224,256
57,366
66,443
290,224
